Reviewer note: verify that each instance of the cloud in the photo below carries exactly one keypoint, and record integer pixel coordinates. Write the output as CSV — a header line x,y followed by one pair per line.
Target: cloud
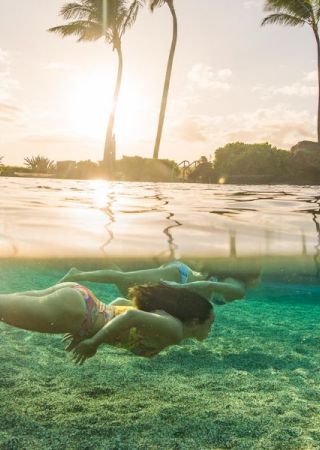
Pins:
x,y
311,76
280,125
9,113
54,139
306,87
58,66
204,77
3,57
249,4
191,130
7,82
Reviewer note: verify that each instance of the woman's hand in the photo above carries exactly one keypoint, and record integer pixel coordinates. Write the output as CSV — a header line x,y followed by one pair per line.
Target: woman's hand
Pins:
x,y
71,342
84,350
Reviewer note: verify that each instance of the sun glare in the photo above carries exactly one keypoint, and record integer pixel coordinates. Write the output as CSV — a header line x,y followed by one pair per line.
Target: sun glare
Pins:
x,y
91,101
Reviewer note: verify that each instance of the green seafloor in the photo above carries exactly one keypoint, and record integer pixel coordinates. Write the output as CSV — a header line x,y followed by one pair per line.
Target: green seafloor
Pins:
x,y
254,384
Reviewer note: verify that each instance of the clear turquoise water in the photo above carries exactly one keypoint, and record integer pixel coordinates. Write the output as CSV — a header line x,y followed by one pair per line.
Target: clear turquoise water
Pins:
x,y
254,384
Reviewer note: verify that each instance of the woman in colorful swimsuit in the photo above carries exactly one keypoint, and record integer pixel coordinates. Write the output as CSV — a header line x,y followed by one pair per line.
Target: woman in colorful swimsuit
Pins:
x,y
155,317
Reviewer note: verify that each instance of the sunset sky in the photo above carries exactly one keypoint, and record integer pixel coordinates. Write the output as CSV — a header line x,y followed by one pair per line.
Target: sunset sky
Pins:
x,y
232,80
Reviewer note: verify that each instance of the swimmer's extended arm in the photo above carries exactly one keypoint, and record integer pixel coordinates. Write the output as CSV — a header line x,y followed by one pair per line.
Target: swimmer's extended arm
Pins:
x,y
167,329
230,290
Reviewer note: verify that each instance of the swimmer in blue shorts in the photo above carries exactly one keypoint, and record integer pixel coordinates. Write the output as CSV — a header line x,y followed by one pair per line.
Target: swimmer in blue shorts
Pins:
x,y
221,291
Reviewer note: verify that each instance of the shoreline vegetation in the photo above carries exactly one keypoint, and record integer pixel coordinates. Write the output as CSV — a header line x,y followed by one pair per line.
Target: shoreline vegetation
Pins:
x,y
235,163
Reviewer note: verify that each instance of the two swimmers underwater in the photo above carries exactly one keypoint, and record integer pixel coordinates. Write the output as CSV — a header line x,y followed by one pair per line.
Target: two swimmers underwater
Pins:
x,y
165,305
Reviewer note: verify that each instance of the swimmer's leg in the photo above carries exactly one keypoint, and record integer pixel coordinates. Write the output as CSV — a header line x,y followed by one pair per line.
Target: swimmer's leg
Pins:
x,y
74,273
62,311
98,276
42,292
71,275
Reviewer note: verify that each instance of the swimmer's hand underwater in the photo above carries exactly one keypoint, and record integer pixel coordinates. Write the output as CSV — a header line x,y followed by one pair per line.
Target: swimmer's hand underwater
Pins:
x,y
80,350
86,349
71,341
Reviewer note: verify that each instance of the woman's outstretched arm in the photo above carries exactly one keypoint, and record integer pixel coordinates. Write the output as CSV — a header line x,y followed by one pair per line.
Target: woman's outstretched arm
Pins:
x,y
169,331
230,290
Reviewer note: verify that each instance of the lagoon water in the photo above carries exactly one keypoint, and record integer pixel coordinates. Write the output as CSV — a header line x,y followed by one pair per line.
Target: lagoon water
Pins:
x,y
98,219
254,384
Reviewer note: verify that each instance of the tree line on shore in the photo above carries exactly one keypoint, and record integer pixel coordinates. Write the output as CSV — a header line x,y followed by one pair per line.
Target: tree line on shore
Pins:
x,y
237,163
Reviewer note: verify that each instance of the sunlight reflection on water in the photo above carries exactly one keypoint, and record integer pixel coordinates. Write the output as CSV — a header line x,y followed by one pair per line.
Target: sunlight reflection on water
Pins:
x,y
95,218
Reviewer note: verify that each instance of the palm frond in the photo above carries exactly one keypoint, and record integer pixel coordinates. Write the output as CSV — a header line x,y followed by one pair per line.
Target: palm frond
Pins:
x,y
93,32
75,11
283,19
156,4
131,14
96,18
317,10
298,8
84,29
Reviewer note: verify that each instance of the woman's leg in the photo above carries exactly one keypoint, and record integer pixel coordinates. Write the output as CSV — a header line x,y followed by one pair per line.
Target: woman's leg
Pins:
x,y
43,292
62,311
108,276
95,276
124,280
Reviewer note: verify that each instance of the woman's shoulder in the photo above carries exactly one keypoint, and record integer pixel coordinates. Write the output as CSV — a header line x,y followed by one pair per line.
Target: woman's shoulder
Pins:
x,y
118,309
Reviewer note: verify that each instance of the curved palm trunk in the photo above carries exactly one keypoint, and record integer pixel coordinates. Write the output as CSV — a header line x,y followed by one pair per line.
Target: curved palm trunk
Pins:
x,y
318,51
110,142
167,80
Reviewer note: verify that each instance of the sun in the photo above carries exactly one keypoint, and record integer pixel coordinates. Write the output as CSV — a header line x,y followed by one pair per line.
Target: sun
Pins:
x,y
90,103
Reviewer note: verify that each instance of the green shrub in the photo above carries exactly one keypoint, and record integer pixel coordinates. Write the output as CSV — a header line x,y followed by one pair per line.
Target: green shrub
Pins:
x,y
240,159
135,168
9,171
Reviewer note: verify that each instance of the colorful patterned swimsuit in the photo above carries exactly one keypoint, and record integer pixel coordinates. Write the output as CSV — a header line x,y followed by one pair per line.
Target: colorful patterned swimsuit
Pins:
x,y
94,307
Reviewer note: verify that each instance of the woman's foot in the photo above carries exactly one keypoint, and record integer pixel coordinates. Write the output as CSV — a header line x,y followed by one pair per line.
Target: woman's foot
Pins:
x,y
71,275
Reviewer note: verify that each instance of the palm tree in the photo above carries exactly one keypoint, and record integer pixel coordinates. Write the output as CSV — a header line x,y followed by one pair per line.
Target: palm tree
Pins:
x,y
297,13
39,164
91,20
154,4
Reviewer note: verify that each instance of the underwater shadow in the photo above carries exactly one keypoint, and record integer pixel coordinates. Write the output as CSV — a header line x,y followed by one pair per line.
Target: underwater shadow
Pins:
x,y
252,361
204,360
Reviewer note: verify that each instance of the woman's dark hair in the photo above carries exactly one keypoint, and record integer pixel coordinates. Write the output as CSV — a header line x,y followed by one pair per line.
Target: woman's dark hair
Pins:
x,y
180,303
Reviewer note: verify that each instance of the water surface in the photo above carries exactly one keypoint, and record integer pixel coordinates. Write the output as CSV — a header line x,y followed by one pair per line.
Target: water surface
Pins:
x,y
58,218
